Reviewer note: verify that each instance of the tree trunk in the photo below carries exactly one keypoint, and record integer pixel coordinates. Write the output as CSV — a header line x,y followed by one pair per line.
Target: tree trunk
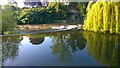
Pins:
x,y
2,32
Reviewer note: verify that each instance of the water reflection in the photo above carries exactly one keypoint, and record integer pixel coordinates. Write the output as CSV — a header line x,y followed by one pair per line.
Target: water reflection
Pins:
x,y
66,43
36,41
104,47
10,47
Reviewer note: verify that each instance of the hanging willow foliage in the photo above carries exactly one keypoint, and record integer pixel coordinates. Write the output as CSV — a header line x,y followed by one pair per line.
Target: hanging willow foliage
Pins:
x,y
103,17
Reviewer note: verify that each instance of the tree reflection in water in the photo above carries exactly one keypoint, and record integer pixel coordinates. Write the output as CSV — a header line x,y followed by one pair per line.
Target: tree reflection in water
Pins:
x,y
66,43
104,47
10,47
37,41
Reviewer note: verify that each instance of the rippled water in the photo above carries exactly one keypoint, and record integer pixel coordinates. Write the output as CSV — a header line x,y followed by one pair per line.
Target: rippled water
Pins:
x,y
65,48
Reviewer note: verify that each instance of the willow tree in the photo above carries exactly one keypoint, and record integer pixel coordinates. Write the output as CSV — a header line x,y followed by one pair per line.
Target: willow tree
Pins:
x,y
103,17
117,9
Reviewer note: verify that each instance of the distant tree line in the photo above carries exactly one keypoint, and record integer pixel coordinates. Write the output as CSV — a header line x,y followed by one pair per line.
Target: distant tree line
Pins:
x,y
54,11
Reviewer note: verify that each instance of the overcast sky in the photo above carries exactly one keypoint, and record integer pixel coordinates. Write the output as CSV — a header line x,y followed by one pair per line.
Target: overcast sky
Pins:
x,y
20,2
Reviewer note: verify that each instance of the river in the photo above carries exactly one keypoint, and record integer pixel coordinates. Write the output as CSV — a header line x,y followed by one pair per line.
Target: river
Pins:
x,y
64,48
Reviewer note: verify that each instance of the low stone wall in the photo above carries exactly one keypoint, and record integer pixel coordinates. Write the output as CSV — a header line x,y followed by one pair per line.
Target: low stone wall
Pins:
x,y
48,26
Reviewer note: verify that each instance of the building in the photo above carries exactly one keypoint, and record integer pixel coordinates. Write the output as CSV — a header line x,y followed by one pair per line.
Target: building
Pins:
x,y
35,3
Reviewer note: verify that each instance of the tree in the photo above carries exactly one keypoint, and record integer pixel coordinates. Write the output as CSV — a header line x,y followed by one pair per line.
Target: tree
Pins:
x,y
103,17
8,19
0,19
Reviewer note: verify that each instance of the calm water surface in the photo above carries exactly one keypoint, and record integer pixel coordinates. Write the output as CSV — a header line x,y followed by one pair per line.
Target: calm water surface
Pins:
x,y
67,48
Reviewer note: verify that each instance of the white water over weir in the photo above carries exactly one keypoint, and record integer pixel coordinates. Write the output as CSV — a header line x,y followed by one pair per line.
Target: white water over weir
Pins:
x,y
62,27
49,27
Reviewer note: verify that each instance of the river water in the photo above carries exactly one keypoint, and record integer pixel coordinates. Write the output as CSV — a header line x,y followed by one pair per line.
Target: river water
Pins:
x,y
64,48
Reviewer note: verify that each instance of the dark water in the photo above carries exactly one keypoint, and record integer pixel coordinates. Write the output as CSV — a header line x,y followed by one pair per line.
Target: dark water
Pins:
x,y
67,48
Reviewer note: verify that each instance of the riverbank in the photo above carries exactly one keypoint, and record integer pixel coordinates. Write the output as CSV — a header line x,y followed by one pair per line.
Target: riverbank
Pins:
x,y
43,28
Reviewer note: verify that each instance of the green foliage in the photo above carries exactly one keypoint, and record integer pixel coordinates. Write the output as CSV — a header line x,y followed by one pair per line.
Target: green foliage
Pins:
x,y
0,18
81,7
8,19
89,5
54,11
103,17
41,15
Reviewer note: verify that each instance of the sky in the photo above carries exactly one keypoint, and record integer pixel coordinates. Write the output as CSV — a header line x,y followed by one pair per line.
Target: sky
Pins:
x,y
20,2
